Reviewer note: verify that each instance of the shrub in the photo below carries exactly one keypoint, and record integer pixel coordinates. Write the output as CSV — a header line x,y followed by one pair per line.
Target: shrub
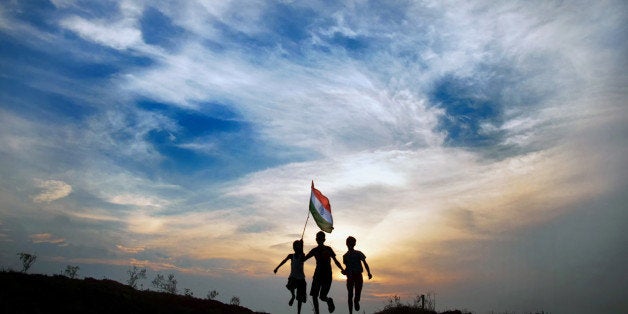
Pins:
x,y
135,274
71,271
167,285
425,301
393,301
395,306
212,294
235,301
27,260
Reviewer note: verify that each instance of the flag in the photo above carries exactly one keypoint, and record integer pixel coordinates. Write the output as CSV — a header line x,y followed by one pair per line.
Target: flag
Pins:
x,y
321,210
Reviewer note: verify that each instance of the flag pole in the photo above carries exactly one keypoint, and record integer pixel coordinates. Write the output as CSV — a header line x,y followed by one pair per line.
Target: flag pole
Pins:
x,y
308,218
308,215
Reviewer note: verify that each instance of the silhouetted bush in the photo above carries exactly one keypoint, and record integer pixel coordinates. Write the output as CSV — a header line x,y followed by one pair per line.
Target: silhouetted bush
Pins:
x,y
135,274
395,306
71,271
212,294
27,260
167,285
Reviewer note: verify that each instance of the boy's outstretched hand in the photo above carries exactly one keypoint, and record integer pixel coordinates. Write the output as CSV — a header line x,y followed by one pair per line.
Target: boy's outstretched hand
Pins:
x,y
275,270
370,276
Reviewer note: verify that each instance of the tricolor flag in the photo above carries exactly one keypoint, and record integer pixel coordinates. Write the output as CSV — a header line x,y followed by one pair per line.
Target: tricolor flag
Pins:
x,y
321,210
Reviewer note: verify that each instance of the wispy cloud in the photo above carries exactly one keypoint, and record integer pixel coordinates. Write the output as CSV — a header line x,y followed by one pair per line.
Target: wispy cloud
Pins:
x,y
52,190
130,249
120,32
47,238
137,200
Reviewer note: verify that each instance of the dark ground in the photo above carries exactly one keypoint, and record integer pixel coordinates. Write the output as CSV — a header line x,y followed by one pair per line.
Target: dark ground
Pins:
x,y
34,293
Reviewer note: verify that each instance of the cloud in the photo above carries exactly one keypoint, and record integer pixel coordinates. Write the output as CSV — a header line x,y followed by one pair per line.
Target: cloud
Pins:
x,y
137,200
120,33
118,36
47,238
131,250
53,190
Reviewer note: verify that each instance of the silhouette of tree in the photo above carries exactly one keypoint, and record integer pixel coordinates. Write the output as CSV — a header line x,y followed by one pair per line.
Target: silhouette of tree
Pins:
x,y
71,271
27,260
393,301
167,285
212,294
423,304
135,274
430,301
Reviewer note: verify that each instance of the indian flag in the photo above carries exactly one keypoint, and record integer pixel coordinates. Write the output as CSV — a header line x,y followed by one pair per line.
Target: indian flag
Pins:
x,y
321,210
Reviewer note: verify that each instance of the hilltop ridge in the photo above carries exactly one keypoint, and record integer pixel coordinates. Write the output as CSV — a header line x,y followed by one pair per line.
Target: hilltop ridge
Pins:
x,y
36,293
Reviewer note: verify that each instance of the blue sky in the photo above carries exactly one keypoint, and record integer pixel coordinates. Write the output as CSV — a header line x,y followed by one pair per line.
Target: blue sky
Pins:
x,y
475,150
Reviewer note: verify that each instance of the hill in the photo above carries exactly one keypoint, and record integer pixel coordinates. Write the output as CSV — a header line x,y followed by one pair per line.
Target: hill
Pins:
x,y
406,309
35,293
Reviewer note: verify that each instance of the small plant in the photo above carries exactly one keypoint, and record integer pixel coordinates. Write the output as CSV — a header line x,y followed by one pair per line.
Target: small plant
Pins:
x,y
234,301
422,304
27,260
188,293
158,281
419,301
71,271
425,301
135,274
167,285
393,301
430,301
212,294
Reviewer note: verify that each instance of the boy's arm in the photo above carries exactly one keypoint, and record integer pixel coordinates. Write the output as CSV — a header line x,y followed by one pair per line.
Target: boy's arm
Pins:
x,y
344,261
368,270
309,254
338,264
282,262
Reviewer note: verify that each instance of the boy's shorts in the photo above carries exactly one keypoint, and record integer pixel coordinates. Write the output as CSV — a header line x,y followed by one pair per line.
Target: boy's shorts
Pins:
x,y
320,285
300,285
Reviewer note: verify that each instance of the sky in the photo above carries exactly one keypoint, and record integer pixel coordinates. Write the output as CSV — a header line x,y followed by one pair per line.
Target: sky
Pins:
x,y
475,149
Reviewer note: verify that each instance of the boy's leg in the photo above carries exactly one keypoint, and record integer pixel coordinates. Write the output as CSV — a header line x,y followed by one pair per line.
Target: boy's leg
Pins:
x,y
331,307
315,302
314,292
350,285
291,286
325,286
301,291
358,290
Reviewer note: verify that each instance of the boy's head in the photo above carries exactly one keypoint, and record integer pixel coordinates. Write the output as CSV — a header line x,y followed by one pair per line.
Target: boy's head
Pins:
x,y
320,237
350,242
297,246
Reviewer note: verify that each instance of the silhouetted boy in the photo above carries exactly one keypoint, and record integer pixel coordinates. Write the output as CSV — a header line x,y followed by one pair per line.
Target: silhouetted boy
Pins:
x,y
296,280
321,282
353,260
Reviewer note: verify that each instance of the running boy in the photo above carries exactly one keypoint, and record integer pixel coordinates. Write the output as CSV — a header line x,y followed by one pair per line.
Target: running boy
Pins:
x,y
353,260
296,280
321,282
